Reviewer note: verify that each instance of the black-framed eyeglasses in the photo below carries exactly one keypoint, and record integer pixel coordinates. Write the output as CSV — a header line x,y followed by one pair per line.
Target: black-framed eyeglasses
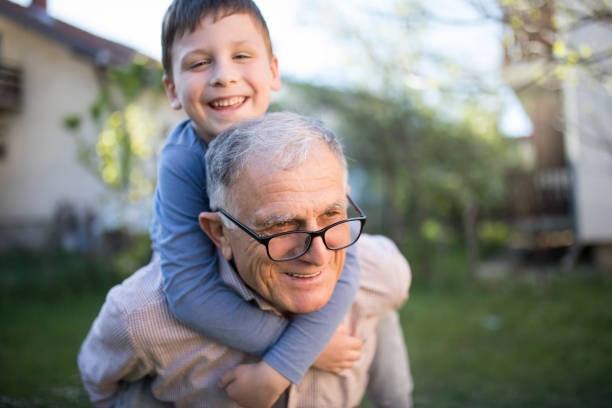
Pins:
x,y
289,245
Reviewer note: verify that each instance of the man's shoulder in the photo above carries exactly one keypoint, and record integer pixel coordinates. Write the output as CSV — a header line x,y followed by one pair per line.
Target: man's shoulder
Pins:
x,y
141,305
380,252
139,301
384,270
141,290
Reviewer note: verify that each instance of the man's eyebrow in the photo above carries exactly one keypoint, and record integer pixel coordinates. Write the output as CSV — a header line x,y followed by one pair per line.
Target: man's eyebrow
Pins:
x,y
274,219
292,218
339,205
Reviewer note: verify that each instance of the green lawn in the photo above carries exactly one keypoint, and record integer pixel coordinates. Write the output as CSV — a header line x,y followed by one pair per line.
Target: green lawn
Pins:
x,y
512,345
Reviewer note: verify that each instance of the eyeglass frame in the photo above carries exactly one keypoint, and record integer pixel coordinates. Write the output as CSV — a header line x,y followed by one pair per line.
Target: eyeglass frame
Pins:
x,y
313,234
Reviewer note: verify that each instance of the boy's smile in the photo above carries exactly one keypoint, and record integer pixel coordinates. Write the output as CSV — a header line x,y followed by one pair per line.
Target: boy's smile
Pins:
x,y
222,73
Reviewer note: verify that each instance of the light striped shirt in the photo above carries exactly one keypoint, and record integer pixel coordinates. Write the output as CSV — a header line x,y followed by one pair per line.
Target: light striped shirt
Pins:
x,y
135,335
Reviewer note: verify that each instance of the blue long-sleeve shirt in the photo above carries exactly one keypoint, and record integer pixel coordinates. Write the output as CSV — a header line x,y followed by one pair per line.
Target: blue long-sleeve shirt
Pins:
x,y
195,292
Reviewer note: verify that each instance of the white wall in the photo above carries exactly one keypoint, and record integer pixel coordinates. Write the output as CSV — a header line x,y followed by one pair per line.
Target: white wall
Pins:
x,y
588,113
40,169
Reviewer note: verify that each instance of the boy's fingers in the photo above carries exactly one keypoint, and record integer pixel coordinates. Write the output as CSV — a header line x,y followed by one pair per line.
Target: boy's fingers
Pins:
x,y
227,378
354,343
353,355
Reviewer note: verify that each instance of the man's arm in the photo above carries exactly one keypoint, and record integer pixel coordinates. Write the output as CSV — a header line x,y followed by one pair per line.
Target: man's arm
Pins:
x,y
108,354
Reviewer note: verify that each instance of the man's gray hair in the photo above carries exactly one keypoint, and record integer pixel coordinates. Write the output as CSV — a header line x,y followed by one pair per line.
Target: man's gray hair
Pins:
x,y
281,140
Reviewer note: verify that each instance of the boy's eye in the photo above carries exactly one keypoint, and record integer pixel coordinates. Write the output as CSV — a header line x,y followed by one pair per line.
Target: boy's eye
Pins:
x,y
242,56
198,64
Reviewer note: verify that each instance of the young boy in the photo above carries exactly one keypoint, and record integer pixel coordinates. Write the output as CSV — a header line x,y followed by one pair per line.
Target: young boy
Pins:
x,y
219,68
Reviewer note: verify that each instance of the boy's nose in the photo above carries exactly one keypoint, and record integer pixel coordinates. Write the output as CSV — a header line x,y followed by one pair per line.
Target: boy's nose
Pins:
x,y
223,74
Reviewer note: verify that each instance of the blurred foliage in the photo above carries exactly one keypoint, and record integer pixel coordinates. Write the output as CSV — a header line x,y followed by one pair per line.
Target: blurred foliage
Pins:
x,y
415,173
127,128
559,38
57,275
550,33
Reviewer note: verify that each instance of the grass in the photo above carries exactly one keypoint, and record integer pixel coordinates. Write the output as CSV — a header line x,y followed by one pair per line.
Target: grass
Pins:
x,y
518,346
517,343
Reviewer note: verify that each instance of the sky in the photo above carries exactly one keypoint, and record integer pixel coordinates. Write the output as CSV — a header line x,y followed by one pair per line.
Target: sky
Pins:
x,y
306,50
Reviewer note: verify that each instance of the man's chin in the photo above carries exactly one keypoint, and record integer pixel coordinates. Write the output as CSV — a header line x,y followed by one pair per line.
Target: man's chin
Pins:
x,y
308,305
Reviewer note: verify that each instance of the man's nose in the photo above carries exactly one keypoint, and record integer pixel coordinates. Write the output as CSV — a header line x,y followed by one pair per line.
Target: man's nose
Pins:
x,y
224,73
318,253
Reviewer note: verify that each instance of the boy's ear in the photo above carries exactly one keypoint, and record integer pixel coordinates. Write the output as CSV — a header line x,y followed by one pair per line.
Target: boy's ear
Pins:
x,y
276,83
171,93
211,224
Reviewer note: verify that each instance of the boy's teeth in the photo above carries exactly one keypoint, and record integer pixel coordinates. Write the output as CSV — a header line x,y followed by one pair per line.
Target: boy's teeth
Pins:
x,y
298,275
222,103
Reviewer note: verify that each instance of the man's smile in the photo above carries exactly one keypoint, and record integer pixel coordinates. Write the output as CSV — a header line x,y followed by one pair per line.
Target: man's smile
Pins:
x,y
303,276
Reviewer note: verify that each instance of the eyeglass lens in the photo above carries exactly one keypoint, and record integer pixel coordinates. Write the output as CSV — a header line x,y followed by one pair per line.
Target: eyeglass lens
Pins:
x,y
295,244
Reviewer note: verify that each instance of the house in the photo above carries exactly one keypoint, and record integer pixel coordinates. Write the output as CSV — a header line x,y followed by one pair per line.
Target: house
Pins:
x,y
49,70
564,198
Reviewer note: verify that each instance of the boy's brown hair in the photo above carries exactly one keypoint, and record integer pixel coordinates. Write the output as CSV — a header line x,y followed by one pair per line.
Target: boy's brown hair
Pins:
x,y
183,16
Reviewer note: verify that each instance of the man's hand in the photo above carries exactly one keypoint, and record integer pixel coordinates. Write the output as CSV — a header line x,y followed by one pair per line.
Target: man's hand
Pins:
x,y
341,352
253,385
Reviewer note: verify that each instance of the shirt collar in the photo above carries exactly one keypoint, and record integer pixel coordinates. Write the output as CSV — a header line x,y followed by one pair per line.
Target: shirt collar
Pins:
x,y
231,278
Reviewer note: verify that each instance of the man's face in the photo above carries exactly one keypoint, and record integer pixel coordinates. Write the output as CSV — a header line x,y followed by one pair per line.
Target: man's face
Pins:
x,y
222,73
309,197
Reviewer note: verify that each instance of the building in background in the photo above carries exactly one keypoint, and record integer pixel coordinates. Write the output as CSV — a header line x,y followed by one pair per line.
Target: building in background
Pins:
x,y
562,198
49,70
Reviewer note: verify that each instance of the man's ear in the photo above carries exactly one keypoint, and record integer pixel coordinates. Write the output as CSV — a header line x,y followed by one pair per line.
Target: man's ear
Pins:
x,y
175,103
211,224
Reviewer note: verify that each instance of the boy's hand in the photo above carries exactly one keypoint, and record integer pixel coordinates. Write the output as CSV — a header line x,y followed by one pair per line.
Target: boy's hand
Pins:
x,y
341,352
253,385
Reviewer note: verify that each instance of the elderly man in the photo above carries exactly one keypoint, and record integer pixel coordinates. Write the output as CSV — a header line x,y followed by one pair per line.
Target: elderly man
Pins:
x,y
279,188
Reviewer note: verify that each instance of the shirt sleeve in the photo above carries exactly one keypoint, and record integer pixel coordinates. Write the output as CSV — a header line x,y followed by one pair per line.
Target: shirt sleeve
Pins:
x,y
108,355
196,294
309,333
386,274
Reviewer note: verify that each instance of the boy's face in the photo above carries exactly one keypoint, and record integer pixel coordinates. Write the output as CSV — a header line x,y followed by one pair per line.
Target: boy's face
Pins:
x,y
222,73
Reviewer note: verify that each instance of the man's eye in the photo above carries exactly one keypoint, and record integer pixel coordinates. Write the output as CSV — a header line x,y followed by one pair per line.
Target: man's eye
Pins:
x,y
335,215
280,227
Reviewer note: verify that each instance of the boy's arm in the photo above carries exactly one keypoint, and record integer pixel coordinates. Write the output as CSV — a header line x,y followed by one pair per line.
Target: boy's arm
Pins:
x,y
306,342
309,333
196,294
198,297
259,385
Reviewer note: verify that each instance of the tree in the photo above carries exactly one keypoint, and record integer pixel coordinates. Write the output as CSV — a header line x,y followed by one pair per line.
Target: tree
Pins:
x,y
127,131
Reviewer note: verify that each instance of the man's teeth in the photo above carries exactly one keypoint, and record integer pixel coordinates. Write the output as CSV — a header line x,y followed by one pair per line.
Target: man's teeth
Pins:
x,y
299,275
222,103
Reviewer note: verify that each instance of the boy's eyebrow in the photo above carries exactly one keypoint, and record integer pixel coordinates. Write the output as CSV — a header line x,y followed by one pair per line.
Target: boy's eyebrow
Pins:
x,y
201,51
240,42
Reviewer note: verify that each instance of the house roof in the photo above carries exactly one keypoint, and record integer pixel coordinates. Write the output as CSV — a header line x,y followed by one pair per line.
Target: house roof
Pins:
x,y
35,17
